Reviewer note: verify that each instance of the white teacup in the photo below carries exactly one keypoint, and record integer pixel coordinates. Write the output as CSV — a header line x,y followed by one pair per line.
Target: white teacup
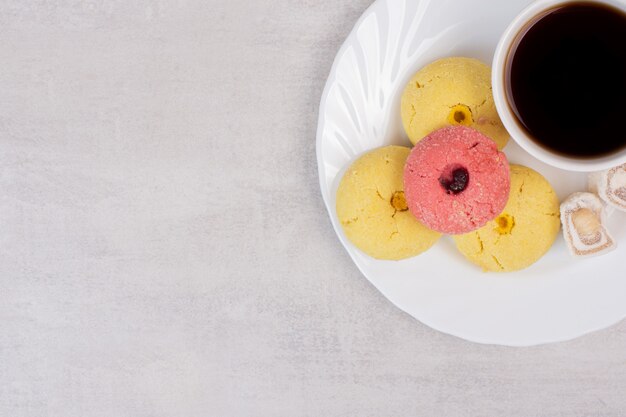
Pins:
x,y
505,111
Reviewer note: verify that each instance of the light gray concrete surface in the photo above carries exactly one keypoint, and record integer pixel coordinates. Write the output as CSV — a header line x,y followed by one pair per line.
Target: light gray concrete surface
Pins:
x,y
164,250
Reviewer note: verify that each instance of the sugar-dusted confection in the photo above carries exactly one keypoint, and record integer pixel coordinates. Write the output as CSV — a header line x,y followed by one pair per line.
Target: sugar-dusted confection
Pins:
x,y
372,208
583,229
451,91
456,180
522,233
610,185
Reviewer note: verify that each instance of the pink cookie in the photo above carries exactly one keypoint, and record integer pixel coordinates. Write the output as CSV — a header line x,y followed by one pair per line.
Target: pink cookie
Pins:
x,y
456,180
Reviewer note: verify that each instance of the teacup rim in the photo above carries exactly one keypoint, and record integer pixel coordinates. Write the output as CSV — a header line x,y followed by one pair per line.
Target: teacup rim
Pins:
x,y
509,120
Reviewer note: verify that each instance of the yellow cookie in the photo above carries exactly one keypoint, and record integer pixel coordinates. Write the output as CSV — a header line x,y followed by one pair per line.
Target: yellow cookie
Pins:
x,y
451,91
522,233
372,209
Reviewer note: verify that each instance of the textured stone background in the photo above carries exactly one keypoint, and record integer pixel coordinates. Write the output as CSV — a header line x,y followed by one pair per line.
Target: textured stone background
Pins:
x,y
164,250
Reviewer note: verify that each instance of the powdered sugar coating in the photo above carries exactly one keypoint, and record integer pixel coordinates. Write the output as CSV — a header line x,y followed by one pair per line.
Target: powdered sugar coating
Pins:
x,y
486,193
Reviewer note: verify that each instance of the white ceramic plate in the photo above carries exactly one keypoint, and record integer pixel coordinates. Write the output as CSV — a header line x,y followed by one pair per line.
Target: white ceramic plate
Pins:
x,y
556,299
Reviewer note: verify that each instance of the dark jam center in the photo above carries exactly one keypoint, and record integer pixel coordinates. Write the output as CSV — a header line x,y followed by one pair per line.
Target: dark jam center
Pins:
x,y
455,181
